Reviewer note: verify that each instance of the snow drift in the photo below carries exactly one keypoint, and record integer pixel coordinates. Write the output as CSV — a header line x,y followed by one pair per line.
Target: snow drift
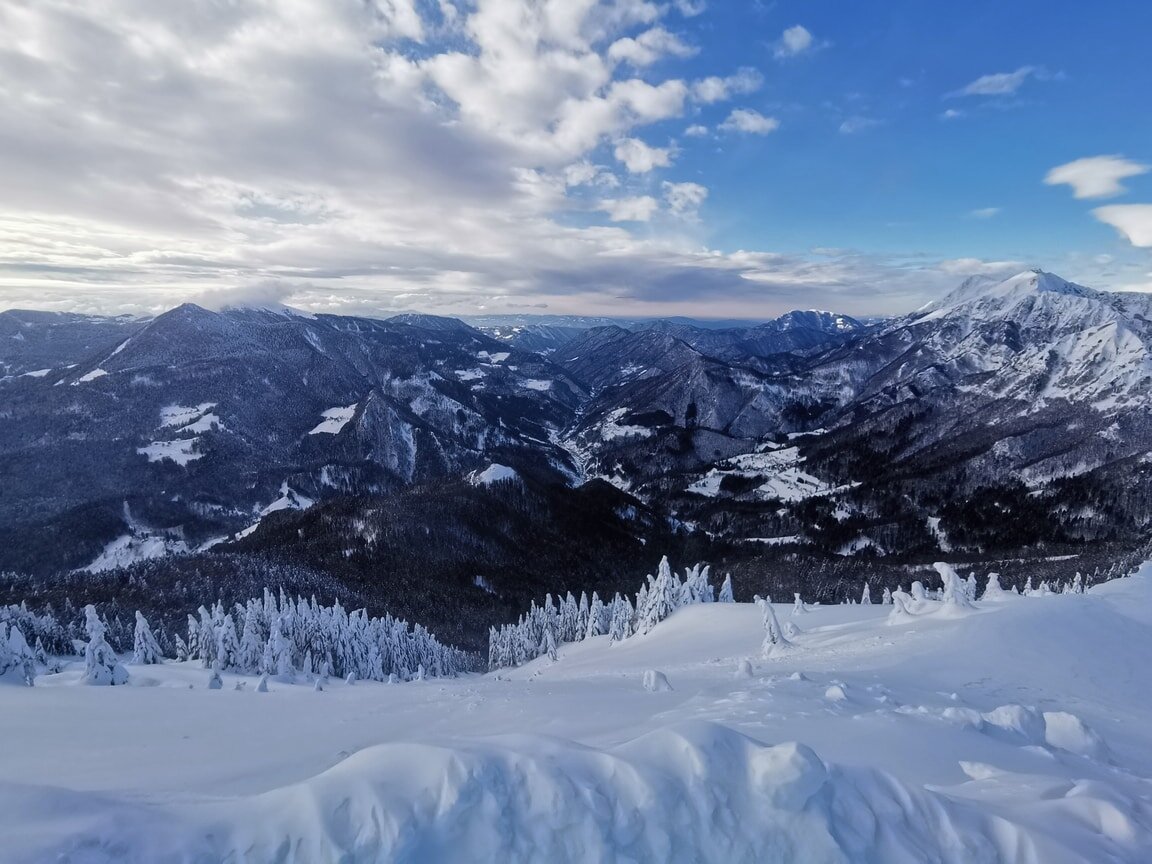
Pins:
x,y
698,792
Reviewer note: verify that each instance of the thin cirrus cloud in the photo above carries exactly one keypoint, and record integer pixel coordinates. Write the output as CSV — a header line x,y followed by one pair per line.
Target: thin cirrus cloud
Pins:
x,y
998,83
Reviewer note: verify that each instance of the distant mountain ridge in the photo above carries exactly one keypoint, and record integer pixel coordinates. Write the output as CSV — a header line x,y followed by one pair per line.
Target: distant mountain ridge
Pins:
x,y
123,439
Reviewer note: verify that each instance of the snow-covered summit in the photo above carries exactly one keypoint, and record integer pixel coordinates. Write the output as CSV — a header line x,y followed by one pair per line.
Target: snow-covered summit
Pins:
x,y
985,295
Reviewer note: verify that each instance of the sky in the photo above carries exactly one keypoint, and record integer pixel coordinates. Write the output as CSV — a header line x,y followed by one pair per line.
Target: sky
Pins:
x,y
733,159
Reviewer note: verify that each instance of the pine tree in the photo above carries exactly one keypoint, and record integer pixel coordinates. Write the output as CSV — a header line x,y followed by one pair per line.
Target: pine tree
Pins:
x,y
145,650
774,639
16,654
101,666
866,597
250,656
726,590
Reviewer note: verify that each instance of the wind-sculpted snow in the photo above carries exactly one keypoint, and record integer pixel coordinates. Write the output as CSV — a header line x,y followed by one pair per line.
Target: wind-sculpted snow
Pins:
x,y
695,792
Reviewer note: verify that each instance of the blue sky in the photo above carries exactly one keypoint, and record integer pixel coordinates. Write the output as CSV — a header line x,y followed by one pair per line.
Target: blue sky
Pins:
x,y
910,179
632,157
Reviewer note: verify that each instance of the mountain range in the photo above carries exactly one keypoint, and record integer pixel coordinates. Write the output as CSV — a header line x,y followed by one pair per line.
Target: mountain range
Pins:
x,y
1009,415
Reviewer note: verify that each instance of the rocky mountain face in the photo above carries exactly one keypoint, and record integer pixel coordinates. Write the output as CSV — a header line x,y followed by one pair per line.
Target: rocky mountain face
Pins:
x,y
1007,415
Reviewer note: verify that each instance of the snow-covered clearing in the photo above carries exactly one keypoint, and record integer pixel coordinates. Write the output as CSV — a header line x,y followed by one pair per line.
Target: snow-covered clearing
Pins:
x,y
176,416
127,549
611,428
778,468
90,376
1016,731
181,451
494,473
334,420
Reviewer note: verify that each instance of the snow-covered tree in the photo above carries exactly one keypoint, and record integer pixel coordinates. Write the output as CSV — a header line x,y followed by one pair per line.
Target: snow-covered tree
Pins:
x,y
798,607
548,645
993,590
250,657
101,666
955,593
15,653
774,638
145,649
866,597
726,590
886,598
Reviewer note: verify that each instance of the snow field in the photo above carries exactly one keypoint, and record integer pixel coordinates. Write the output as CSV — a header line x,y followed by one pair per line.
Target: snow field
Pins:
x,y
1007,731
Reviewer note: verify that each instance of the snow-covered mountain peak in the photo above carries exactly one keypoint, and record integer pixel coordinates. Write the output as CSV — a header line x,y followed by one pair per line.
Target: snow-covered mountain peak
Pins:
x,y
985,297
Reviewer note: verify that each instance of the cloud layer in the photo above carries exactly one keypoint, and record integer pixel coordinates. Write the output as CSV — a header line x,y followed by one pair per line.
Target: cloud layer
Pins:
x,y
377,155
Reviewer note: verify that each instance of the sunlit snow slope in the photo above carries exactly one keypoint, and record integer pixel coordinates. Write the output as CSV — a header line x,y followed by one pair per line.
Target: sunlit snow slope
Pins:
x,y
1016,731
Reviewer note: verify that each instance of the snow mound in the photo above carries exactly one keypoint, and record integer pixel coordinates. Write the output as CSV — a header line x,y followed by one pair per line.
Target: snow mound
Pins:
x,y
656,682
697,791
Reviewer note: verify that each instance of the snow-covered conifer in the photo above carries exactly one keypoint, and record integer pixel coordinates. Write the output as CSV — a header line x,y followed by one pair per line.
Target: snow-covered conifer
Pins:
x,y
215,682
954,593
101,666
250,656
145,649
18,655
886,598
798,607
548,645
774,639
726,590
866,597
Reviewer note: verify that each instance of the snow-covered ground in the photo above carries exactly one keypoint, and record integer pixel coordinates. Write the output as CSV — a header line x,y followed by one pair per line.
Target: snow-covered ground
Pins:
x,y
1018,731
778,468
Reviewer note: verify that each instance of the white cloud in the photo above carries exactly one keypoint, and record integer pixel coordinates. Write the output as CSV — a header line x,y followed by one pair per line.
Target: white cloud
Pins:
x,y
650,46
857,124
308,150
793,42
691,8
1096,176
749,121
717,89
640,158
951,114
696,130
1133,221
684,199
984,212
637,209
999,83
